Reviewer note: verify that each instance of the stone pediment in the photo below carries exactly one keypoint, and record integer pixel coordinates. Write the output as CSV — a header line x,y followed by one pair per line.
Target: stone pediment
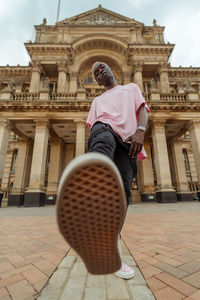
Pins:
x,y
99,16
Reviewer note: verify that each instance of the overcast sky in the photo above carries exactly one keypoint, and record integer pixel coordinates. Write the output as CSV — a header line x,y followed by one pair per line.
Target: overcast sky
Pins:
x,y
181,19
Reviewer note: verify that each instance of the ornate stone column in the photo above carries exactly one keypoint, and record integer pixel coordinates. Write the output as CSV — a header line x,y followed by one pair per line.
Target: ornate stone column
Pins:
x,y
5,184
73,84
147,178
54,170
164,79
35,194
137,68
80,137
16,198
164,190
5,128
62,77
194,130
35,77
182,191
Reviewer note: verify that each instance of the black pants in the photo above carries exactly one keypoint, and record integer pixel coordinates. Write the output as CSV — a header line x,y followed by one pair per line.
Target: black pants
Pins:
x,y
104,140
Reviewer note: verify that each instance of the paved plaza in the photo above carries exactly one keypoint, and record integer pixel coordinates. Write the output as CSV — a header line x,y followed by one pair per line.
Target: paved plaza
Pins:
x,y
160,241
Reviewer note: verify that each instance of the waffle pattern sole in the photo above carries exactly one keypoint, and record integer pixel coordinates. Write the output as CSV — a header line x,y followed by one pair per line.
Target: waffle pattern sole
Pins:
x,y
91,209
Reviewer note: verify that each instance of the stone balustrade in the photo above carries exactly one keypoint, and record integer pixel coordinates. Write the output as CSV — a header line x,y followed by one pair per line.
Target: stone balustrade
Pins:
x,y
91,96
56,97
173,97
146,96
25,97
59,97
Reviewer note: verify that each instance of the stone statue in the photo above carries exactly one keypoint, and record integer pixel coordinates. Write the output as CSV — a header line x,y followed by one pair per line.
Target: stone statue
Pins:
x,y
44,22
188,86
46,84
153,84
154,22
11,83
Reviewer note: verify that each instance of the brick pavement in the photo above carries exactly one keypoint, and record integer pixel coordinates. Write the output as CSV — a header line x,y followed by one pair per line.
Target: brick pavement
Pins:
x,y
30,250
163,239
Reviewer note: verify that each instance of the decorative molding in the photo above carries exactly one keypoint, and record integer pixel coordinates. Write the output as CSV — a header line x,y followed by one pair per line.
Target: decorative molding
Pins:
x,y
99,16
163,67
194,122
99,35
41,123
5,124
159,124
7,72
62,66
138,67
80,122
36,66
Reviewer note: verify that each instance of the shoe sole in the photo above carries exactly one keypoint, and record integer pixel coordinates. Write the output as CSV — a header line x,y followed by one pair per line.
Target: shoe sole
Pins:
x,y
91,208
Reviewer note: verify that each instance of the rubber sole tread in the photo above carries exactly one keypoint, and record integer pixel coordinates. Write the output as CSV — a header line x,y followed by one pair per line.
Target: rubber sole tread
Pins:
x,y
91,211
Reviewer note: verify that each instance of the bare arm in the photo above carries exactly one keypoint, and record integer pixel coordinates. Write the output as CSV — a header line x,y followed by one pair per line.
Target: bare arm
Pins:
x,y
137,139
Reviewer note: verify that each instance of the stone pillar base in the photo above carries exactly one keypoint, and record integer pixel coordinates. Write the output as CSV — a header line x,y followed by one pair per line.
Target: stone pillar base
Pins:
x,y
151,197
166,197
15,200
135,196
184,196
50,199
34,199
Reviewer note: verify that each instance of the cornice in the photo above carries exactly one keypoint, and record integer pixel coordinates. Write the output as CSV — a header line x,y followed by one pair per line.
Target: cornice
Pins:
x,y
182,72
148,52
54,49
77,106
48,46
8,71
142,49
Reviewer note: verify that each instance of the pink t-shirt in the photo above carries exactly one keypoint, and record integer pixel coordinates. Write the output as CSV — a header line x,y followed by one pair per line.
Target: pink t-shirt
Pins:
x,y
118,108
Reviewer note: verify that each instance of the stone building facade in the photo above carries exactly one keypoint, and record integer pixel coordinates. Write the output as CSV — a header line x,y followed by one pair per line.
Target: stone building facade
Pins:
x,y
44,106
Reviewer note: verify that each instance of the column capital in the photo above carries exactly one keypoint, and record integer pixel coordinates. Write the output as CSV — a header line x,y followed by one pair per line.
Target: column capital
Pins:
x,y
80,122
36,66
194,122
62,66
5,124
55,140
137,66
159,123
163,67
42,123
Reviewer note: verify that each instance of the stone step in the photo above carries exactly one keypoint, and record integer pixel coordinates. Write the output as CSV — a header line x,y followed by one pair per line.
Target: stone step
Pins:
x,y
71,281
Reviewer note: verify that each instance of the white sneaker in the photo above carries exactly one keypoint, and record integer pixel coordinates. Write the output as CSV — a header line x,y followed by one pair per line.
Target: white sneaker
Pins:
x,y
125,272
